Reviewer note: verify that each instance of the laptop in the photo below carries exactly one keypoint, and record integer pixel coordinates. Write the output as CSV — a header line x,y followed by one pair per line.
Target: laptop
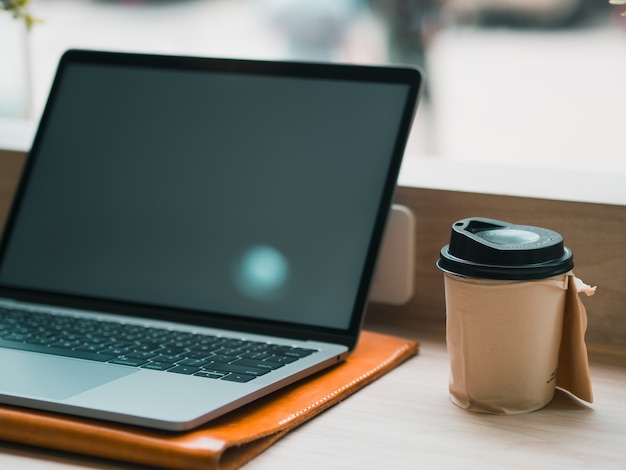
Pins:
x,y
190,234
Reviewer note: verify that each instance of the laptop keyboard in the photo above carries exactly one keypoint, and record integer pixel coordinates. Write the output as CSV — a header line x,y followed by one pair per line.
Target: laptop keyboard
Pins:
x,y
197,354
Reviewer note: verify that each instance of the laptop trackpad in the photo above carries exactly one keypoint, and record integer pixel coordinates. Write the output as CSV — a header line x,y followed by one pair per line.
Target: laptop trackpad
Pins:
x,y
51,377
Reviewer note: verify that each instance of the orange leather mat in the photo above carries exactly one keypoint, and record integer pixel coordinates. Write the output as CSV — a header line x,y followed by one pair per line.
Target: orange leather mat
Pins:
x,y
225,443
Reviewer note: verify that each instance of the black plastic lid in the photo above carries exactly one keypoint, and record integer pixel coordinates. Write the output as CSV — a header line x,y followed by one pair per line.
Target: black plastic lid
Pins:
x,y
493,249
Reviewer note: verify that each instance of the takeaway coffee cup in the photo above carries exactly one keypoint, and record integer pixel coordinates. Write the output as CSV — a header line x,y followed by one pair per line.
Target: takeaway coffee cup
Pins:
x,y
505,288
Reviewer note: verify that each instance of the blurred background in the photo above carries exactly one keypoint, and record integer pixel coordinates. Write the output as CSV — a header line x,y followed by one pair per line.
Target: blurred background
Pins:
x,y
530,82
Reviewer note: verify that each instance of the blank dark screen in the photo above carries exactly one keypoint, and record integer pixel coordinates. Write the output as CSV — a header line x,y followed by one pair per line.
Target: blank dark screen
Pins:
x,y
235,194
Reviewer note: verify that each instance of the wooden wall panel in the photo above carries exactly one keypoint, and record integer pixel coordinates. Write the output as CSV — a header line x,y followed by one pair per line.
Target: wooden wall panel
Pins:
x,y
11,164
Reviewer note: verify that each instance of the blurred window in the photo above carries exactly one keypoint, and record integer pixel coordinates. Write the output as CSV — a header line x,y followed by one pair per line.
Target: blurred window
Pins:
x,y
531,82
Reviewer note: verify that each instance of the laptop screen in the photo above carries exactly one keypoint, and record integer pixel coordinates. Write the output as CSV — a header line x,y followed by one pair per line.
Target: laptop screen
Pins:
x,y
249,194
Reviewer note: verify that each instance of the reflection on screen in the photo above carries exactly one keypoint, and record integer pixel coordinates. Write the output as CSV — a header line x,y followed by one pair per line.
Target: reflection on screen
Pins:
x,y
261,273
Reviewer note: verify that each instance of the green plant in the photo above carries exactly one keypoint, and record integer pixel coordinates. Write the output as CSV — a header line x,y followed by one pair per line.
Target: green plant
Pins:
x,y
19,10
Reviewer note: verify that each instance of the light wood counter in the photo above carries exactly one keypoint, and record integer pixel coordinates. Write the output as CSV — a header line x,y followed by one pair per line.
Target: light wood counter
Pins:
x,y
405,420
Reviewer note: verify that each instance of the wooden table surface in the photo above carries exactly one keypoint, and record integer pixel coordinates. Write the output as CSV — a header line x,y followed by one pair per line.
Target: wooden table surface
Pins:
x,y
405,420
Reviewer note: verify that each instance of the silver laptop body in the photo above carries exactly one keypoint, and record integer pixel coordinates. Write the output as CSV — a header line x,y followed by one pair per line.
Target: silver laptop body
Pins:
x,y
230,211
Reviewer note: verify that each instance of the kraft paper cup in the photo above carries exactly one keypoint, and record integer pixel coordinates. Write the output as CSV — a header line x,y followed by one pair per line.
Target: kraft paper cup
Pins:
x,y
505,290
